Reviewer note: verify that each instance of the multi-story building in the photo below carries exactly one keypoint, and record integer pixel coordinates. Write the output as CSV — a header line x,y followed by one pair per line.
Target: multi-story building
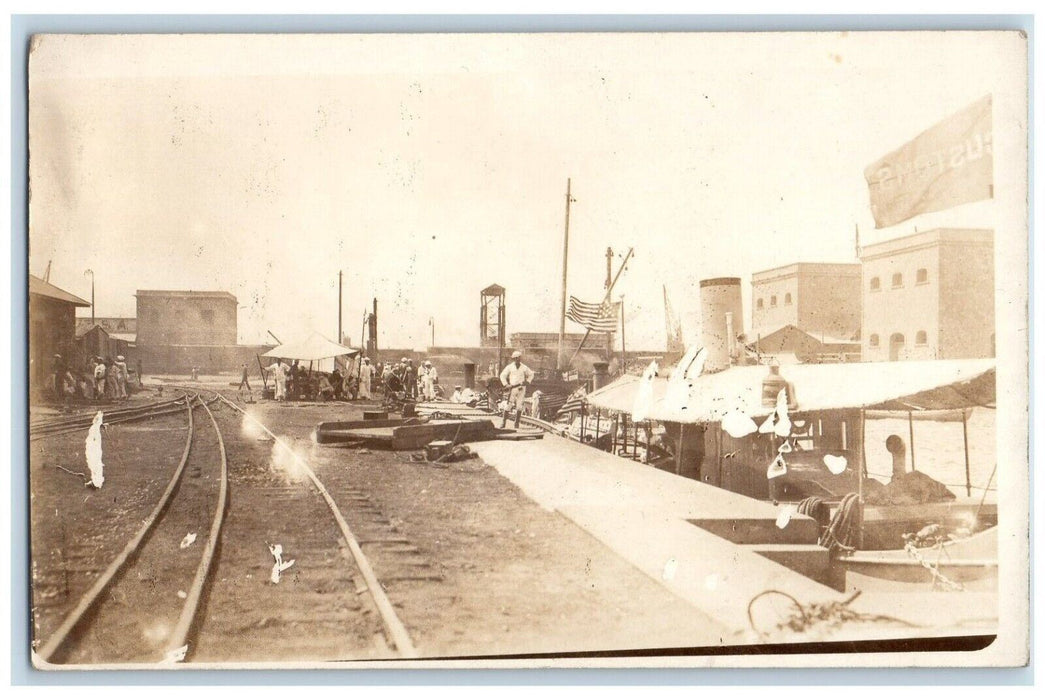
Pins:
x,y
929,295
822,299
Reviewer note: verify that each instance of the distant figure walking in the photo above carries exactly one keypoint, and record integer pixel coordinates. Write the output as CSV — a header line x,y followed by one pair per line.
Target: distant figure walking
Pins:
x,y
244,381
515,377
112,389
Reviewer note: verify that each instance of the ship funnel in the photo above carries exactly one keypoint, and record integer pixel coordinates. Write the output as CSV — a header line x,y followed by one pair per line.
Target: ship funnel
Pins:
x,y
721,314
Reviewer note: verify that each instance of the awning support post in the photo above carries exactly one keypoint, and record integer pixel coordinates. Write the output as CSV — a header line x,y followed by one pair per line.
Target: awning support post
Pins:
x,y
965,440
910,432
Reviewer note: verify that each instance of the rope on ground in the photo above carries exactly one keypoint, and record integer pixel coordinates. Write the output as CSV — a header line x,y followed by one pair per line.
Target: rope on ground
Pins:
x,y
842,532
832,614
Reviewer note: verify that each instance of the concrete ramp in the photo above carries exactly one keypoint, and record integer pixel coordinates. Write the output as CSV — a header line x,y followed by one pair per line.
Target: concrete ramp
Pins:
x,y
716,549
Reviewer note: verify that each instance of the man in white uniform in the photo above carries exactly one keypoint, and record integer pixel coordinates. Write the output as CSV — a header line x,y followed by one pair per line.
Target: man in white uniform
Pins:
x,y
428,377
278,370
515,377
366,374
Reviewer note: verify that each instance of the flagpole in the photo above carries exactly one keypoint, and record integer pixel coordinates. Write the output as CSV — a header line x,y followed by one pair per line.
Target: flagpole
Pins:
x,y
565,254
606,298
623,347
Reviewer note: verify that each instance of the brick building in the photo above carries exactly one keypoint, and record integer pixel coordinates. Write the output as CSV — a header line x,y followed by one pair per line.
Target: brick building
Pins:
x,y
822,299
929,295
179,330
186,318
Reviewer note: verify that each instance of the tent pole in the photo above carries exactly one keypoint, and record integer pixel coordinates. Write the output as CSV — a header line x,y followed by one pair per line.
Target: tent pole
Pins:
x,y
598,416
860,474
910,432
965,439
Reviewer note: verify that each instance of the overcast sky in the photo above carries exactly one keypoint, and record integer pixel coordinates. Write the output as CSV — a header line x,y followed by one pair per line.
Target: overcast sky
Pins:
x,y
428,167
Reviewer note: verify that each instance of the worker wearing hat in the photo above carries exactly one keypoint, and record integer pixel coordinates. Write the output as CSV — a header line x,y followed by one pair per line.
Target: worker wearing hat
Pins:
x,y
428,377
515,377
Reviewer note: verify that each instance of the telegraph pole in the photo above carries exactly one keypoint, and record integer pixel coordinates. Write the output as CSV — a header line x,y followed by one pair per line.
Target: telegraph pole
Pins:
x,y
565,255
91,273
340,337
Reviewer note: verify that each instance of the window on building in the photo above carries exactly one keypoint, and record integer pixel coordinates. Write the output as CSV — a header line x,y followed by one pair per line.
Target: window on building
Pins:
x,y
876,284
896,345
921,338
897,280
207,315
760,304
772,300
873,340
787,299
922,276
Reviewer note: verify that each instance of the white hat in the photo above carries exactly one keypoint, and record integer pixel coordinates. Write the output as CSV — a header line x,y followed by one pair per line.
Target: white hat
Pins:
x,y
366,359
428,362
516,354
120,358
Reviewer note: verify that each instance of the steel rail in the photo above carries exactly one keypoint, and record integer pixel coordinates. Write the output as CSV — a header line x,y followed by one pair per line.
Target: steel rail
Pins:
x,y
151,411
88,600
88,417
393,625
192,601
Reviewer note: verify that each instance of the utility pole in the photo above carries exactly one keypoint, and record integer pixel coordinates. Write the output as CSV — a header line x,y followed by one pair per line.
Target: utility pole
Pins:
x,y
91,273
609,268
340,337
565,255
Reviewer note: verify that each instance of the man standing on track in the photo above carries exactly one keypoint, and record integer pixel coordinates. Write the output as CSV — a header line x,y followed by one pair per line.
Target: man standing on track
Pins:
x,y
515,377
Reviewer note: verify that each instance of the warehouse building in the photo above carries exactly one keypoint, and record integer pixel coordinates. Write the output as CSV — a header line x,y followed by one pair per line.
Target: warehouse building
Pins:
x,y
929,295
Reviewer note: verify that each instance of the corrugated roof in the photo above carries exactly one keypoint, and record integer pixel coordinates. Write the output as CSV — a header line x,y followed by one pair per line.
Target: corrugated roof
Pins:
x,y
46,289
931,384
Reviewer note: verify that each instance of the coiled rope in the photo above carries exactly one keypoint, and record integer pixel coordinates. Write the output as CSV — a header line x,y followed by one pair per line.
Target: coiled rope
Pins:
x,y
844,529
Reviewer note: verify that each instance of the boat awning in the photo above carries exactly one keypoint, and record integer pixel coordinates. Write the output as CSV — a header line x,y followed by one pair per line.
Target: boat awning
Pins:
x,y
909,385
314,347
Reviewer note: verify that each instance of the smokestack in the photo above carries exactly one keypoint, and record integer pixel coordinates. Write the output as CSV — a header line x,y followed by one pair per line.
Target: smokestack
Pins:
x,y
721,308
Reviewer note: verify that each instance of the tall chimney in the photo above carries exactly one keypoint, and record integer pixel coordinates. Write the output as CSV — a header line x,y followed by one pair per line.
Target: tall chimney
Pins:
x,y
721,308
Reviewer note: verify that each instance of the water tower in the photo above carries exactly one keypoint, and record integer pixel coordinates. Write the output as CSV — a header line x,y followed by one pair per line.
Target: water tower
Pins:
x,y
491,320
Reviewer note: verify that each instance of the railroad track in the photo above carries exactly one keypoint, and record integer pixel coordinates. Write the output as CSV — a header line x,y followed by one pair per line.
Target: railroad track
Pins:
x,y
43,428
160,602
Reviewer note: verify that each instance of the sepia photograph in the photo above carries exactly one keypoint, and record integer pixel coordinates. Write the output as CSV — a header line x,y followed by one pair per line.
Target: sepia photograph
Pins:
x,y
471,350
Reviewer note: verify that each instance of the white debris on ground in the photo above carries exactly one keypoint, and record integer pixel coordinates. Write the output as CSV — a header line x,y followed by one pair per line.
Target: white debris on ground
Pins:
x,y
280,566
188,540
93,451
175,655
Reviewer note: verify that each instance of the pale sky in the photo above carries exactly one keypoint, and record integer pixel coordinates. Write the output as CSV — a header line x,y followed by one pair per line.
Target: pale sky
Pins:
x,y
427,167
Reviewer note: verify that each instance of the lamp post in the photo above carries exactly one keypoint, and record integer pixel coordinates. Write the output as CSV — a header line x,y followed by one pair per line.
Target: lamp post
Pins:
x,y
91,273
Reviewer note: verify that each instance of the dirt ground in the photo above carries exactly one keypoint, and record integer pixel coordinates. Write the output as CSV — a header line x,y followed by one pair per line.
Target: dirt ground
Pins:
x,y
516,579
503,576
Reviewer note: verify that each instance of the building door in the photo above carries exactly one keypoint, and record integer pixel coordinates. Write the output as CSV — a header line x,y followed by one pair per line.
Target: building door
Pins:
x,y
896,343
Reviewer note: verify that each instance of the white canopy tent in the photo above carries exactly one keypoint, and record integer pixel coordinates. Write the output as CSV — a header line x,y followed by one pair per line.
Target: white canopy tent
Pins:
x,y
316,349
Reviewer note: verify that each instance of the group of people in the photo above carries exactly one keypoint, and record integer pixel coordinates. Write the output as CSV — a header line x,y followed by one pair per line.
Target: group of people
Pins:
x,y
296,382
98,379
418,383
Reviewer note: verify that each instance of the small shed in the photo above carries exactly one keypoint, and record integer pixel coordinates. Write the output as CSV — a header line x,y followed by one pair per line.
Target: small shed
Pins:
x,y
52,329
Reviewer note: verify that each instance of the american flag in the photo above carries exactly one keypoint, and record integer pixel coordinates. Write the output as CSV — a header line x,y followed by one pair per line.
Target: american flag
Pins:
x,y
574,403
600,318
